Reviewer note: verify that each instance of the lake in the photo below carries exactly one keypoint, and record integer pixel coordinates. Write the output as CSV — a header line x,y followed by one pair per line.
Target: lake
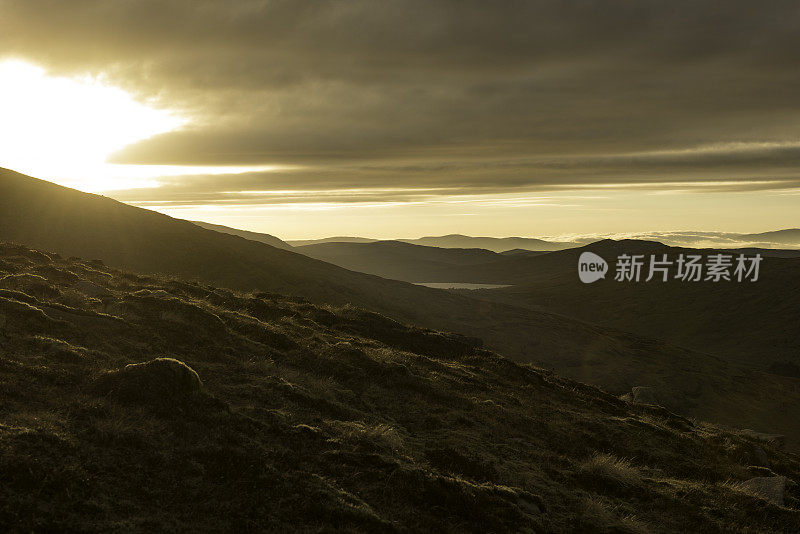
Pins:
x,y
459,285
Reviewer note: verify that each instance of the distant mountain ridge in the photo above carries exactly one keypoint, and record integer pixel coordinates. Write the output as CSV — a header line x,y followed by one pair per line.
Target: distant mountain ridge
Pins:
x,y
493,244
787,238
335,239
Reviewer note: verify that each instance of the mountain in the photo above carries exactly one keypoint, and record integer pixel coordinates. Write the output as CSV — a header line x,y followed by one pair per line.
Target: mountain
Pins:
x,y
693,383
751,322
689,239
254,236
339,239
522,252
54,218
401,261
148,403
495,244
706,239
789,236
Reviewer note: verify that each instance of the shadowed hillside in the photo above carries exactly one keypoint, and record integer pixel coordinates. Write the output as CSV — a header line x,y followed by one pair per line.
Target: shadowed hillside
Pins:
x,y
752,322
403,261
416,263
335,239
147,403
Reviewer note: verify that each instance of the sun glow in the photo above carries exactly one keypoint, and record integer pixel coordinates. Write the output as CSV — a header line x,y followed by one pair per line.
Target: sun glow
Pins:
x,y
64,130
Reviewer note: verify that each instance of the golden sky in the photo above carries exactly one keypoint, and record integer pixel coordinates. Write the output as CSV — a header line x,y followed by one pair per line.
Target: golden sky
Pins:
x,y
400,119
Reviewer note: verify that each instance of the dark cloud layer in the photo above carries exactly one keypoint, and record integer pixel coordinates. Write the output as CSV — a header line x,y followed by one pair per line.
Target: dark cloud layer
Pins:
x,y
463,95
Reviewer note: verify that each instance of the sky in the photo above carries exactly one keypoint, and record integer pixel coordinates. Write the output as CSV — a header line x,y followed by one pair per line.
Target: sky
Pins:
x,y
409,118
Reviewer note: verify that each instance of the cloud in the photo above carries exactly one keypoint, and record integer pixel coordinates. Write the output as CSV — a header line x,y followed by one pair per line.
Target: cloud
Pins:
x,y
444,95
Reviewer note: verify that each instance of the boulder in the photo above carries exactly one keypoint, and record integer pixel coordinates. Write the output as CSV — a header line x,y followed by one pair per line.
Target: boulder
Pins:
x,y
769,488
156,382
776,439
642,395
760,456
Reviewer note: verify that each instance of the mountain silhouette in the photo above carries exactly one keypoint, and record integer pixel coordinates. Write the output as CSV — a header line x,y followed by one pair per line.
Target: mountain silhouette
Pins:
x,y
494,244
253,236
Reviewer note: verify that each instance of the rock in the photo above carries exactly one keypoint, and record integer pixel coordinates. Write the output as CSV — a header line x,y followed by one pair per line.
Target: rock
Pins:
x,y
159,381
777,439
90,289
770,488
760,456
642,395
117,309
158,293
528,507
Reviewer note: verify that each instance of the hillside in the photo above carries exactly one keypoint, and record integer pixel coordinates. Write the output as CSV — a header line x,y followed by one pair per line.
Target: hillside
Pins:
x,y
254,236
403,261
754,323
400,260
274,414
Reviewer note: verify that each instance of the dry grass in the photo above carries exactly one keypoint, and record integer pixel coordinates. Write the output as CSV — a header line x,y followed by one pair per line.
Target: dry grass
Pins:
x,y
380,436
608,468
599,517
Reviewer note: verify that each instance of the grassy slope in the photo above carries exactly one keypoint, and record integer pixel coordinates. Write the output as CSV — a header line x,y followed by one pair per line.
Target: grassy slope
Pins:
x,y
327,416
